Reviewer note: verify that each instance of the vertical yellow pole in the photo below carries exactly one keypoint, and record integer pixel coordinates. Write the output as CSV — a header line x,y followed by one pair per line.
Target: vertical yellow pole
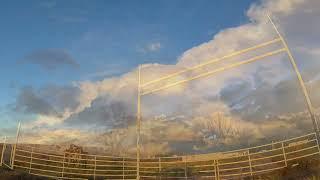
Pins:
x,y
3,149
217,170
250,162
64,159
301,82
160,168
95,167
30,165
122,168
284,154
15,145
138,122
318,144
185,168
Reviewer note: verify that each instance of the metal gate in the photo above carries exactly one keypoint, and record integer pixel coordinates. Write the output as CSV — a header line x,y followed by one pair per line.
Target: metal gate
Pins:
x,y
6,154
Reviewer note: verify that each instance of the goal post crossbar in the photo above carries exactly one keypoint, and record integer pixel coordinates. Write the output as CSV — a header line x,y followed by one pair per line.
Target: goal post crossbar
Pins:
x,y
212,61
221,69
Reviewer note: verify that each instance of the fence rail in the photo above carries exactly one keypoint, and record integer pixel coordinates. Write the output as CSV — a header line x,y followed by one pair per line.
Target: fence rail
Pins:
x,y
223,165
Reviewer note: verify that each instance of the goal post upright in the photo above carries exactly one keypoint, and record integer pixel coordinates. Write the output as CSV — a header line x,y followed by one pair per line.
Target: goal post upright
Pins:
x,y
138,123
14,148
300,79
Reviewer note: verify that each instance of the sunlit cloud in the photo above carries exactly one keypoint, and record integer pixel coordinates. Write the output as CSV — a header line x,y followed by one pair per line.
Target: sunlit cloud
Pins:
x,y
257,102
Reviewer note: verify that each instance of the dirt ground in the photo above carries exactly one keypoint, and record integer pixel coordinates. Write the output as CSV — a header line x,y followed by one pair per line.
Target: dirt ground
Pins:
x,y
6,174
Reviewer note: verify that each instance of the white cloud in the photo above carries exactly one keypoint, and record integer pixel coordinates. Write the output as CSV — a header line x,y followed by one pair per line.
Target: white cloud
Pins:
x,y
257,12
205,94
151,47
58,136
154,46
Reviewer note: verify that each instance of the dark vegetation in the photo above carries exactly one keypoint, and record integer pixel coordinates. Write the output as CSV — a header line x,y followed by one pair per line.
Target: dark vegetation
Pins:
x,y
307,169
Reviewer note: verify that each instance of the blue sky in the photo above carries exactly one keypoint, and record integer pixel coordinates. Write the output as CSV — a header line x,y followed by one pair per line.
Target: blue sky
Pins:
x,y
105,38
71,65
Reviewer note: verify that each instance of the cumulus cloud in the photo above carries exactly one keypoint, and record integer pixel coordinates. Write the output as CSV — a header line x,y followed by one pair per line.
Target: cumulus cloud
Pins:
x,y
252,96
51,58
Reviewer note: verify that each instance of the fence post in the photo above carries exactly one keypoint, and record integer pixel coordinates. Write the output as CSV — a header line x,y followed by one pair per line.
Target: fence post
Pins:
x,y
95,167
185,168
64,159
216,169
284,154
272,144
317,144
11,155
122,167
160,167
14,148
218,175
3,149
250,163
31,160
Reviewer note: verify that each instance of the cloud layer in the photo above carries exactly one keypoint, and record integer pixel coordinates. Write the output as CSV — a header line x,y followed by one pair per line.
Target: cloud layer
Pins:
x,y
257,103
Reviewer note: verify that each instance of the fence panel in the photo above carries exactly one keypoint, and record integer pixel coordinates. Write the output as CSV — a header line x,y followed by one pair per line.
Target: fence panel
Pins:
x,y
227,165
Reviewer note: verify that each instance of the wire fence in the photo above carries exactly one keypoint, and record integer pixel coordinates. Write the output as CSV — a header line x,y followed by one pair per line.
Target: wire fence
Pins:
x,y
222,165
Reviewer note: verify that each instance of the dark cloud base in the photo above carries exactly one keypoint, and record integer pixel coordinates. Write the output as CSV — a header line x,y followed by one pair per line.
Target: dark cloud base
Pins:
x,y
51,59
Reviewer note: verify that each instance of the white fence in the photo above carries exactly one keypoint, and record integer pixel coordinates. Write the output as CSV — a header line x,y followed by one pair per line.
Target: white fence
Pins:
x,y
224,165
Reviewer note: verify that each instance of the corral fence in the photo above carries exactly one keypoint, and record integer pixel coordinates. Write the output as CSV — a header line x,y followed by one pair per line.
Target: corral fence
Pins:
x,y
6,153
222,165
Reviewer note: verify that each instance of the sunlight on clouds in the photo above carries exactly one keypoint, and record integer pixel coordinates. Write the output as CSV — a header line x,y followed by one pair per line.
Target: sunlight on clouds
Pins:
x,y
283,8
61,136
205,96
43,121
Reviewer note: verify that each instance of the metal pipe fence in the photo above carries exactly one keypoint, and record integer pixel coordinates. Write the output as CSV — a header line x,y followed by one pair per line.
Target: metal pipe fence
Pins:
x,y
222,165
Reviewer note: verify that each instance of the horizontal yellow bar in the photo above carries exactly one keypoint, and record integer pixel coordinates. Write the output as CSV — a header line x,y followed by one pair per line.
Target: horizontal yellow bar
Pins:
x,y
269,163
300,157
212,61
217,70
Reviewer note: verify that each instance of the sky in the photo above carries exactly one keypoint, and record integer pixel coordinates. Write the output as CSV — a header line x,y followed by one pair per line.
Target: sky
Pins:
x,y
68,69
100,39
